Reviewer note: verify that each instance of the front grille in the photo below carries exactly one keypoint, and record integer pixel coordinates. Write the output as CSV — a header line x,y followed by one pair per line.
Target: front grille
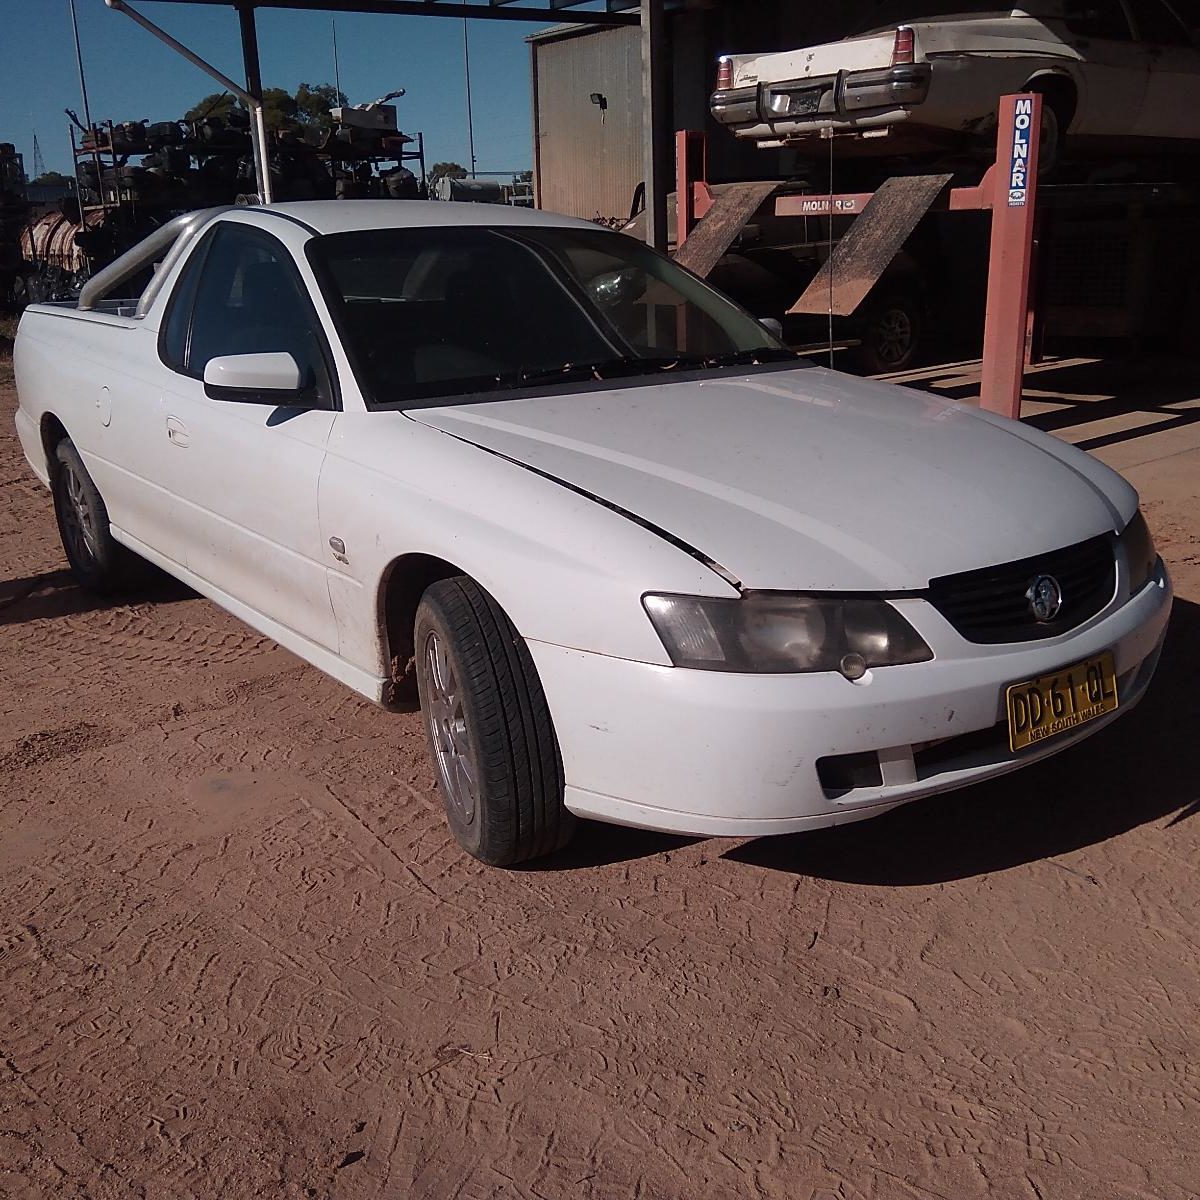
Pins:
x,y
990,605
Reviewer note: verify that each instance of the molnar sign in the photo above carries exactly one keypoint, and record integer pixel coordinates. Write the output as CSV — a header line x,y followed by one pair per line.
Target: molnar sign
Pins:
x,y
1018,177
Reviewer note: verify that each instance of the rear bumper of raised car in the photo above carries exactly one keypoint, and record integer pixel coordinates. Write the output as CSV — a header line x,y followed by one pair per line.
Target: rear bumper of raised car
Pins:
x,y
851,102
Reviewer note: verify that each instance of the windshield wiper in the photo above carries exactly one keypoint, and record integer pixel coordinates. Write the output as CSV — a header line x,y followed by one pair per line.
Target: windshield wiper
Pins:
x,y
751,358
607,368
634,364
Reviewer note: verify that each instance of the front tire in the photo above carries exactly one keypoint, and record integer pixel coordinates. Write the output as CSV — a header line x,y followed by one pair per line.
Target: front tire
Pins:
x,y
97,559
489,728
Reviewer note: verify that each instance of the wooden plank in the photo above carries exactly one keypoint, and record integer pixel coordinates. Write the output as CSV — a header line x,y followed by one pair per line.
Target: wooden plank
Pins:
x,y
715,232
861,257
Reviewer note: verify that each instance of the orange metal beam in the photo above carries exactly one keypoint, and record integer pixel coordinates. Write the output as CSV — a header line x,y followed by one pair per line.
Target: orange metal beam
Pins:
x,y
1014,202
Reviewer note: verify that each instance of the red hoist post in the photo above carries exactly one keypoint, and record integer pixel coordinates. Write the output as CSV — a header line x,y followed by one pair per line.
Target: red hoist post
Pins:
x,y
692,193
1008,189
1007,327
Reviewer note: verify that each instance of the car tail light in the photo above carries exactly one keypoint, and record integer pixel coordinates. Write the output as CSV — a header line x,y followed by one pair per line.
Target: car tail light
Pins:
x,y
904,50
724,73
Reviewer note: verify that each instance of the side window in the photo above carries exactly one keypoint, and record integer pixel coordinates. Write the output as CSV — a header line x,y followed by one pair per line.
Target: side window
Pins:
x,y
1104,19
250,300
173,342
1158,25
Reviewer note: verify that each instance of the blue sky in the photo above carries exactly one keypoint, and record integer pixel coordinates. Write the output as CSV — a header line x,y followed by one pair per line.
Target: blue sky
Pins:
x,y
131,75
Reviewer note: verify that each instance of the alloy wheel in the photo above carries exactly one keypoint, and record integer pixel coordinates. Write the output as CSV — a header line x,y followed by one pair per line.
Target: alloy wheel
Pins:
x,y
448,728
893,336
78,523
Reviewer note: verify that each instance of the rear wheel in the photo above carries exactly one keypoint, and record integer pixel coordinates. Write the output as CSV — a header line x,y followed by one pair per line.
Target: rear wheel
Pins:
x,y
1058,111
97,559
890,335
489,727
1050,144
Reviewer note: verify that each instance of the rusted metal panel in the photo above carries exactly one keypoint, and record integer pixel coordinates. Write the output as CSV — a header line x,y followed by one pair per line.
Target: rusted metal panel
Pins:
x,y
868,249
51,240
714,233
588,155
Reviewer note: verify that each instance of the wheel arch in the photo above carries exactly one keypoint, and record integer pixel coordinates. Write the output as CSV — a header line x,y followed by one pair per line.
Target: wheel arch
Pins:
x,y
53,432
1060,90
401,586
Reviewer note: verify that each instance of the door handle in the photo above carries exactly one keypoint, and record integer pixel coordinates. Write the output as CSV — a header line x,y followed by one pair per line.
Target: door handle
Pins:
x,y
177,432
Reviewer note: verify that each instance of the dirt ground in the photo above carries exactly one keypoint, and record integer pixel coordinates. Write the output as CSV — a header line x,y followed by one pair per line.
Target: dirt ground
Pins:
x,y
240,956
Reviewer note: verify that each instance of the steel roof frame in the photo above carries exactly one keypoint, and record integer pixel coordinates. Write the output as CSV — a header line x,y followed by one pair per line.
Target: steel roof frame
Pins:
x,y
650,15
615,12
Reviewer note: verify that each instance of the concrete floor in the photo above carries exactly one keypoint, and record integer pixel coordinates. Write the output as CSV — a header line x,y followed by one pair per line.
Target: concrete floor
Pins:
x,y
1140,417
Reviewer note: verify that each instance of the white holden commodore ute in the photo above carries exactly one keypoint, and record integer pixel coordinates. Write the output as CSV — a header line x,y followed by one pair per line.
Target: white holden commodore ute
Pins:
x,y
638,561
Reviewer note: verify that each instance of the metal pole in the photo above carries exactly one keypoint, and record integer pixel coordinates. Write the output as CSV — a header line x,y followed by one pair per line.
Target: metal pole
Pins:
x,y
258,132
250,61
87,112
656,133
262,157
337,74
685,194
253,69
1014,200
470,110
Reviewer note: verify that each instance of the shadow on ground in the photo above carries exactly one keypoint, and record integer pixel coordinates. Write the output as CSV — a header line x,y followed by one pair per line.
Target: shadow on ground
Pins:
x,y
1096,391
598,845
56,594
1143,768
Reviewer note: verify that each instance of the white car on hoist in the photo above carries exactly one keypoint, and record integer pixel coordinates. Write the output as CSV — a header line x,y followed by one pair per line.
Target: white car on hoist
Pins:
x,y
644,563
926,75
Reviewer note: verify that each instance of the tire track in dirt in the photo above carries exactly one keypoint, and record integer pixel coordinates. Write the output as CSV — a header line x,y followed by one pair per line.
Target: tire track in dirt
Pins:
x,y
240,957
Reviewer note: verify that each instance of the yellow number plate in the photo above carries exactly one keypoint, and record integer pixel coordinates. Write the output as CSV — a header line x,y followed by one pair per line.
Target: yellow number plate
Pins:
x,y
1054,704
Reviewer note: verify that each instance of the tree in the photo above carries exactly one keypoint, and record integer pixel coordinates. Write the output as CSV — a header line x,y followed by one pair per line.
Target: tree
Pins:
x,y
307,110
446,170
54,179
313,102
216,104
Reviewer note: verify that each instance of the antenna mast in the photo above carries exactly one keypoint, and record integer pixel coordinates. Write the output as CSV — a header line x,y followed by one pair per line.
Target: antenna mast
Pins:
x,y
470,113
337,75
87,112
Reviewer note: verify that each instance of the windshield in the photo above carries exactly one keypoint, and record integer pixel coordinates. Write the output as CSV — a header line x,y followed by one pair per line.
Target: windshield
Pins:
x,y
433,313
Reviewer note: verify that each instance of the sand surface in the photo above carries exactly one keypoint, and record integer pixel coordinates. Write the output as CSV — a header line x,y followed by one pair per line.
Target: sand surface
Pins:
x,y
241,957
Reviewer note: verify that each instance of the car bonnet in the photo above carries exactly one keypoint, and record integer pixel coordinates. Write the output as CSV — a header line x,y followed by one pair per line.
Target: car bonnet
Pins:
x,y
808,480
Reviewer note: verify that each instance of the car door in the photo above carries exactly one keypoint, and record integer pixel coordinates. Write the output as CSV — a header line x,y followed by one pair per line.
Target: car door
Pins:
x,y
1172,107
246,474
1113,68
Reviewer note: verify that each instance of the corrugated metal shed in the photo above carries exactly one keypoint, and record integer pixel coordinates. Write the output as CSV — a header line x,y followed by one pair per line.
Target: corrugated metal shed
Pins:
x,y
587,157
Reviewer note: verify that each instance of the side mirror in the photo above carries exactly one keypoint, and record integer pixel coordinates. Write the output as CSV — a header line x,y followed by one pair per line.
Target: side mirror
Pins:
x,y
254,378
773,326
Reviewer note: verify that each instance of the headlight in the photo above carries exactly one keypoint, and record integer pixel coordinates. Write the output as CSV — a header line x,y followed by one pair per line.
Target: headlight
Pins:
x,y
1141,558
777,633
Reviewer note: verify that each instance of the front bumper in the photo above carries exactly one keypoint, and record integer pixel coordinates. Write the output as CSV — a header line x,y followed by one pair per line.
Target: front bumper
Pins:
x,y
737,755
846,103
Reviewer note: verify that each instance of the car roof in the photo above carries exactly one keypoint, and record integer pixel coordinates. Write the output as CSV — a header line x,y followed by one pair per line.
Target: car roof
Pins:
x,y
345,216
